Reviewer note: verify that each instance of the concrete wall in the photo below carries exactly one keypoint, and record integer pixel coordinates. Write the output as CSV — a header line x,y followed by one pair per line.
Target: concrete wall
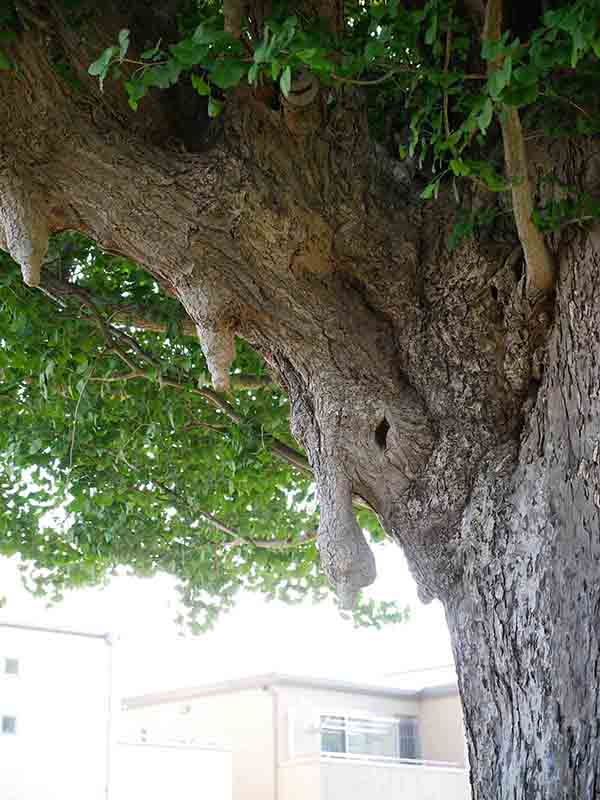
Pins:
x,y
157,772
241,722
60,701
442,729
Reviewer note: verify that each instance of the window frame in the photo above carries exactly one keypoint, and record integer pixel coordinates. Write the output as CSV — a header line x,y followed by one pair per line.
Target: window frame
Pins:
x,y
10,661
349,721
8,725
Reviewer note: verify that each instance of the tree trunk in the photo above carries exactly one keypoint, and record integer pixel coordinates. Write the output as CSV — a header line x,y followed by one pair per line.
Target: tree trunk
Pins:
x,y
524,616
427,382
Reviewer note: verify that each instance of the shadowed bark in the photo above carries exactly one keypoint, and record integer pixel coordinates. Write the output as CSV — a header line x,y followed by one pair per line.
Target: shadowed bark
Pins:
x,y
427,382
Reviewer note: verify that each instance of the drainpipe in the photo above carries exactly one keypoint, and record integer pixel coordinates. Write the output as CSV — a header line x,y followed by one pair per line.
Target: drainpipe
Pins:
x,y
109,714
273,692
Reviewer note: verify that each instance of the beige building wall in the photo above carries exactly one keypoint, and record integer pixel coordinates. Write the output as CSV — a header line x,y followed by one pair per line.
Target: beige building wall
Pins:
x,y
301,780
241,722
442,728
299,711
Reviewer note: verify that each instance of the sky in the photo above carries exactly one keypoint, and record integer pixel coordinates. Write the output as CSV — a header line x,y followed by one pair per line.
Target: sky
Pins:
x,y
257,637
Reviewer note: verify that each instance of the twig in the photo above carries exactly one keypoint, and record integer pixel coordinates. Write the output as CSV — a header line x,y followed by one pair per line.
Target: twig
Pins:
x,y
265,544
446,67
72,446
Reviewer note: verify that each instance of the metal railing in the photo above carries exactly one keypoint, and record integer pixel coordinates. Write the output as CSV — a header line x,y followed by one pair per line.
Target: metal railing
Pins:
x,y
390,761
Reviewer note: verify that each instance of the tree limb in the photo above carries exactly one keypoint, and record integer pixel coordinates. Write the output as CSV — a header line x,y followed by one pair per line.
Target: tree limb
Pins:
x,y
132,315
541,272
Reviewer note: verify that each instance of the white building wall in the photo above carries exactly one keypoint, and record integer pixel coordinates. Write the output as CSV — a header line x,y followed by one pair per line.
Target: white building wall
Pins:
x,y
162,771
60,702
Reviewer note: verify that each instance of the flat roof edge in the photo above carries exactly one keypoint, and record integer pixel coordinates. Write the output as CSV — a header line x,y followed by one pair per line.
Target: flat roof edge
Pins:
x,y
23,626
265,681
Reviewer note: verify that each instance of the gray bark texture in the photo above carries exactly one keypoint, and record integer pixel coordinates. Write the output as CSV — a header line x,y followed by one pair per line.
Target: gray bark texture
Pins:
x,y
463,409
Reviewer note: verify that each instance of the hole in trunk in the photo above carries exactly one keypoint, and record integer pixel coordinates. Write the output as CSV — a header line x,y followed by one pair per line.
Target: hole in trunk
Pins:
x,y
381,432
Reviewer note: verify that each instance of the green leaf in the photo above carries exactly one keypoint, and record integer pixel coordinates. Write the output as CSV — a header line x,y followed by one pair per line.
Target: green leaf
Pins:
x,y
285,81
162,76
492,49
526,74
136,89
520,95
200,85
226,74
215,107
100,67
500,78
430,190
5,62
431,32
147,55
484,117
189,53
123,43
459,167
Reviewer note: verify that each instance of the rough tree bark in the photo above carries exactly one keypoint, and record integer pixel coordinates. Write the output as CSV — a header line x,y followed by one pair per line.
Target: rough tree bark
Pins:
x,y
429,383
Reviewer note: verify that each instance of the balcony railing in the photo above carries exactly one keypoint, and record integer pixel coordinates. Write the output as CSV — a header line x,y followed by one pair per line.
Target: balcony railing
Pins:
x,y
390,761
355,777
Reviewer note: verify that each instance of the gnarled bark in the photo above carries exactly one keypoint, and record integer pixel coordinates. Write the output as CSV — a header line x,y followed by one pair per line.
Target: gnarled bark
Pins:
x,y
524,616
413,373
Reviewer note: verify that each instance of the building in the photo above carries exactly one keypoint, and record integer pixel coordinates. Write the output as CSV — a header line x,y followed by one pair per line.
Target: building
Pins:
x,y
55,713
296,738
58,734
161,770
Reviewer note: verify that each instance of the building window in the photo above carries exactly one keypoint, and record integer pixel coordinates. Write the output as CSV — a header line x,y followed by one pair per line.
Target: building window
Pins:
x,y
408,738
379,737
333,734
11,666
9,725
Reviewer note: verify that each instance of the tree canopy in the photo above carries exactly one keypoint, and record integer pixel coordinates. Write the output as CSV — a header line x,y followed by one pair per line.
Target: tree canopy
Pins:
x,y
115,448
116,451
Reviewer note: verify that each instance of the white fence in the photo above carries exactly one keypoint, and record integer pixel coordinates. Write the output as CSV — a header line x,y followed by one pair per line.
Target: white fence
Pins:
x,y
155,771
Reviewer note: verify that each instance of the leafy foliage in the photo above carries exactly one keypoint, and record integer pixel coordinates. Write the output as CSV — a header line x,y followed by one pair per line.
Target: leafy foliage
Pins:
x,y
115,452
418,64
98,472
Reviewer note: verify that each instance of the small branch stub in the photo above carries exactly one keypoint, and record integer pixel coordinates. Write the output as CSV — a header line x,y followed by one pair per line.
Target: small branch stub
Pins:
x,y
23,229
218,346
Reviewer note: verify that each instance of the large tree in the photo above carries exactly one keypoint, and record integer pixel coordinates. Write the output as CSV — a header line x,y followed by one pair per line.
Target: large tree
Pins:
x,y
394,204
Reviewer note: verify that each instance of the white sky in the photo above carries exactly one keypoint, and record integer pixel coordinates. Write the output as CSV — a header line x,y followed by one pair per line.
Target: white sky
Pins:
x,y
256,637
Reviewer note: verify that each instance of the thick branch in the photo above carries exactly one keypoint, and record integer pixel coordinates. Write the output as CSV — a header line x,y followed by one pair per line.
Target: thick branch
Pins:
x,y
541,271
